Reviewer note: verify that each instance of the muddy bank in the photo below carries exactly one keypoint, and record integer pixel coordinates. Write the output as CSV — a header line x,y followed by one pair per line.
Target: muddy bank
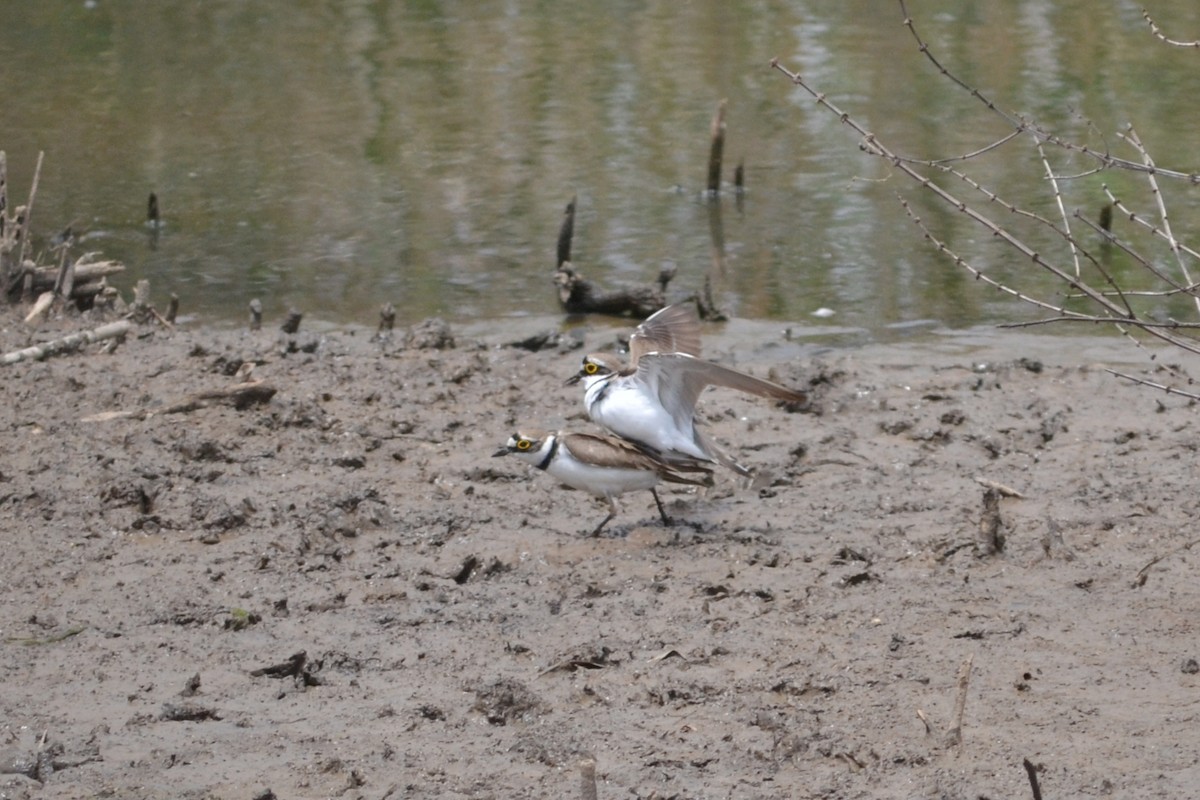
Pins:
x,y
333,590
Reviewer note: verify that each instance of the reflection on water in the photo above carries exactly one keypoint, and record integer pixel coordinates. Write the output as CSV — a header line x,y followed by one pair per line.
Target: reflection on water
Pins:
x,y
333,156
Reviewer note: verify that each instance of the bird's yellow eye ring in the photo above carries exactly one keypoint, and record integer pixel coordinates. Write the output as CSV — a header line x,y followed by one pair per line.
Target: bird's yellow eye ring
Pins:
x,y
524,444
590,368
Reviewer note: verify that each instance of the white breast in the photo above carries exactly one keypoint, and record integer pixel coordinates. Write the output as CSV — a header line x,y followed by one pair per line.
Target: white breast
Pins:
x,y
600,481
631,410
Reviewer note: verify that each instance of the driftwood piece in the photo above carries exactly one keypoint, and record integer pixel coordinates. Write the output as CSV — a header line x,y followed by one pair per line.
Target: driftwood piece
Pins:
x,y
240,396
578,295
85,271
44,301
68,344
954,736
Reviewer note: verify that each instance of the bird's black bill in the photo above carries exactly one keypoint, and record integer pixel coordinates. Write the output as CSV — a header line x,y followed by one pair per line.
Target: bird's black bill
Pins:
x,y
574,379
503,451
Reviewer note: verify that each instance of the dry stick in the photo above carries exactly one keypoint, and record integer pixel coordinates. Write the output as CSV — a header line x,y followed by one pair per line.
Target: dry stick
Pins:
x,y
24,231
954,735
717,134
1160,35
1133,139
1153,385
991,524
587,775
1031,771
84,271
68,343
240,396
1062,211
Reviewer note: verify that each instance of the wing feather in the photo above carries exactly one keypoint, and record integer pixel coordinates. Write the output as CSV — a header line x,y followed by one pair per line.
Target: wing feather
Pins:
x,y
674,329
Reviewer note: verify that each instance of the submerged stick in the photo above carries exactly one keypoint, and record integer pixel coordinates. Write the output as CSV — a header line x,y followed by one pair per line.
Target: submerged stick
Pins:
x,y
717,133
152,211
68,343
566,232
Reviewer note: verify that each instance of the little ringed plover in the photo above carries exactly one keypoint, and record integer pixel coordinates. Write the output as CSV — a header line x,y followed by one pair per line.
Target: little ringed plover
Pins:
x,y
600,465
652,402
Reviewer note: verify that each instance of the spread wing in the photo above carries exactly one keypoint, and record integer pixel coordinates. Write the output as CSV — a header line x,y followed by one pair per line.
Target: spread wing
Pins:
x,y
678,380
674,329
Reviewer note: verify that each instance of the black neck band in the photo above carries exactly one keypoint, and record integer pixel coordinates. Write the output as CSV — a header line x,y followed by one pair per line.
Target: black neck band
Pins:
x,y
549,456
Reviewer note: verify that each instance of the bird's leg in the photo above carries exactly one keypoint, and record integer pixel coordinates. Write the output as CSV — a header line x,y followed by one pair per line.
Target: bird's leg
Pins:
x,y
612,512
666,520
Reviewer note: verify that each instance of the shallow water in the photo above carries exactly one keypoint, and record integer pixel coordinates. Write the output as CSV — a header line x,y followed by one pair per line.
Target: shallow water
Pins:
x,y
334,156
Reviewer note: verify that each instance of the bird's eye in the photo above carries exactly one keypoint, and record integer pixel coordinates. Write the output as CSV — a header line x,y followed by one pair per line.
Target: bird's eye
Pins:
x,y
590,368
524,444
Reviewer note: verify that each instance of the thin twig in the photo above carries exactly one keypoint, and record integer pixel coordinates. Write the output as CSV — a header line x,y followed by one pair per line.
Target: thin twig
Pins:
x,y
1062,211
1133,139
1153,385
1154,29
1144,572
